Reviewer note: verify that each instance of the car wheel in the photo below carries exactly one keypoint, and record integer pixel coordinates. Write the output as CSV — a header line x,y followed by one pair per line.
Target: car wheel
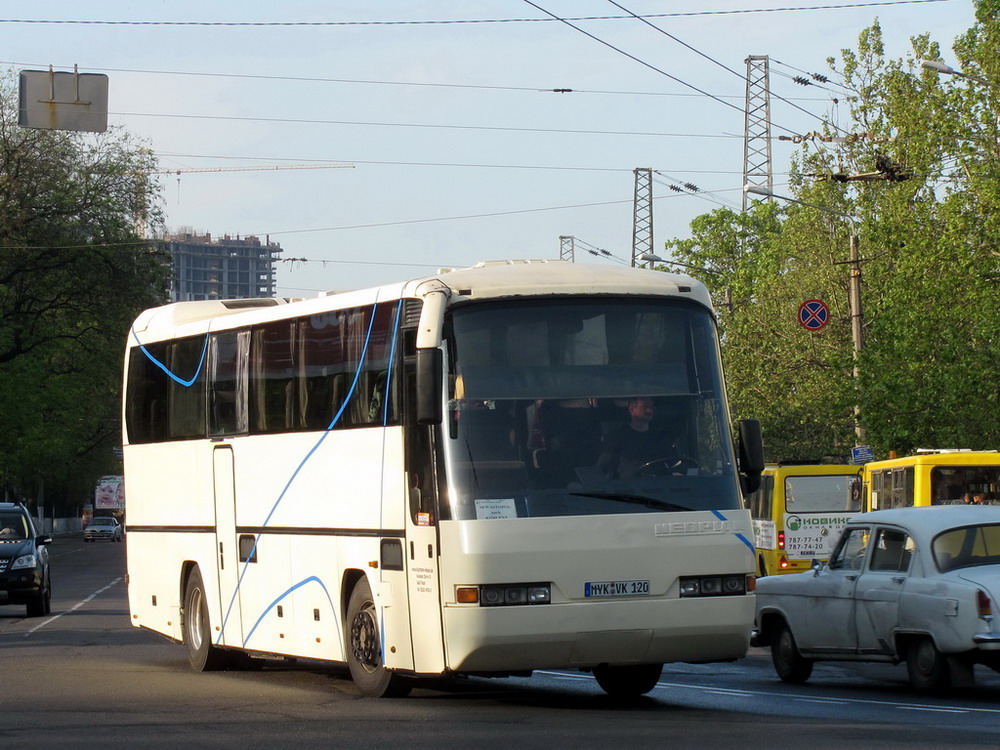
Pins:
x,y
364,648
204,657
627,681
926,666
788,662
36,607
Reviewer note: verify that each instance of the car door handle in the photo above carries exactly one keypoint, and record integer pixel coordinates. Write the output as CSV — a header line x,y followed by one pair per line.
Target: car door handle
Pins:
x,y
898,579
852,577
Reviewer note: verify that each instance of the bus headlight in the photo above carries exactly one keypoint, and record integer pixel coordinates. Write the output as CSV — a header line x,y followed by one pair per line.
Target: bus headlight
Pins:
x,y
728,585
513,594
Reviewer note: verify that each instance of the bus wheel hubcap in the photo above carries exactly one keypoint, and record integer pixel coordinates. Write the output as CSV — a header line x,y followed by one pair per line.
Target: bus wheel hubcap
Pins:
x,y
364,639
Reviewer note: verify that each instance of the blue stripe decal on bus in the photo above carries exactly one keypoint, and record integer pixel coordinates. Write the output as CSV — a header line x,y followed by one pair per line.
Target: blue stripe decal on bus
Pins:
x,y
273,604
392,358
385,422
288,484
748,543
741,537
158,363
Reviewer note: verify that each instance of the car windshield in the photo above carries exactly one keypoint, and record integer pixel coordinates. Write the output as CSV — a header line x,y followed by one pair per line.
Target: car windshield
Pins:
x,y
967,547
102,522
13,526
586,407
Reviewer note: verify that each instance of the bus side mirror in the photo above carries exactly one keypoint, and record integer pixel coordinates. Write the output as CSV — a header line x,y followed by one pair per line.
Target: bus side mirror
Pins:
x,y
429,382
751,454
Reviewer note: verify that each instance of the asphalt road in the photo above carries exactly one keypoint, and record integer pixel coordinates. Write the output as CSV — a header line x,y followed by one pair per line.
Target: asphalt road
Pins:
x,y
83,677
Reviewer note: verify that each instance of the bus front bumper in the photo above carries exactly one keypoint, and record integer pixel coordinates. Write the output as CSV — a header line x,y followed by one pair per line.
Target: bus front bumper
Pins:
x,y
584,634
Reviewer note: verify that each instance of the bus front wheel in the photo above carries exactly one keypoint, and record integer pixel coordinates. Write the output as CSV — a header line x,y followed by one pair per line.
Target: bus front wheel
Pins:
x,y
364,648
627,681
204,657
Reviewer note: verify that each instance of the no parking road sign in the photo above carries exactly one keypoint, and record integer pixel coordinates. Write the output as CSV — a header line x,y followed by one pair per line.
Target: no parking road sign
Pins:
x,y
814,314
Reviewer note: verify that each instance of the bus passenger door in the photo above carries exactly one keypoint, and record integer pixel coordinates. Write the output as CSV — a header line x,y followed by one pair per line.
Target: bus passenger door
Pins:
x,y
227,557
423,591
421,553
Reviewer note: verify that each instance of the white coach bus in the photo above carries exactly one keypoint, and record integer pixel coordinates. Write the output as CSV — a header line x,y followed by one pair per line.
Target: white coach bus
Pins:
x,y
408,479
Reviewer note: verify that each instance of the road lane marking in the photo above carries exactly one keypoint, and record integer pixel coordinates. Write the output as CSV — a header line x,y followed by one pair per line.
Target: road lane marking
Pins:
x,y
836,701
74,607
727,692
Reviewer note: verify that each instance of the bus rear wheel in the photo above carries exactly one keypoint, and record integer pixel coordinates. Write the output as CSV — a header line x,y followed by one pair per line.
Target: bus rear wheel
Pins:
x,y
203,656
627,681
364,648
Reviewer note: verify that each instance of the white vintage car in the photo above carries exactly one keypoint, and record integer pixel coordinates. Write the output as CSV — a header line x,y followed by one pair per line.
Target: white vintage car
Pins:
x,y
910,584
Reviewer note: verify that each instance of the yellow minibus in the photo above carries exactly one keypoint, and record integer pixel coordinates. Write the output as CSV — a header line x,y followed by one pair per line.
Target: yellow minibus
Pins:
x,y
933,477
798,512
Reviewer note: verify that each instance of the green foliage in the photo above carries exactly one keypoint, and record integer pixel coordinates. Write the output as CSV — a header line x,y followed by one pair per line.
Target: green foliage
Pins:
x,y
929,367
74,272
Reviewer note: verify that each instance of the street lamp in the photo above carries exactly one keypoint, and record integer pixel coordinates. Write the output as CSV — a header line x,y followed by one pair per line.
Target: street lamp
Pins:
x,y
940,67
854,293
650,258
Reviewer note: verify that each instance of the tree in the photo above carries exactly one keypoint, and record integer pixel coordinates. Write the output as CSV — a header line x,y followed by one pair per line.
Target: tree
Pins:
x,y
930,364
74,272
796,382
930,375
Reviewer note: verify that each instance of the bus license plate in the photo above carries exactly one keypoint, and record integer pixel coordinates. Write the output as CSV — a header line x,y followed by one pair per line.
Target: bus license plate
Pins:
x,y
615,588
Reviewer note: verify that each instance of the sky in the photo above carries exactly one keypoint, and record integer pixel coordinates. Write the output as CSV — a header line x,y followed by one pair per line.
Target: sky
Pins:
x,y
380,141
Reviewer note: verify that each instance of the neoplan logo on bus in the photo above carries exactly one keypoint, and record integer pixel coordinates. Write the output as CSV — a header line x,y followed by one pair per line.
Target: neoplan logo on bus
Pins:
x,y
615,588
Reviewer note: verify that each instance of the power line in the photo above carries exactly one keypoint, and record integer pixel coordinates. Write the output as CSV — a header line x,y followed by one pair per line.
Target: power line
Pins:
x,y
488,215
668,75
679,41
377,225
170,155
600,252
634,58
816,80
373,123
433,22
363,81
679,186
403,222
711,59
267,168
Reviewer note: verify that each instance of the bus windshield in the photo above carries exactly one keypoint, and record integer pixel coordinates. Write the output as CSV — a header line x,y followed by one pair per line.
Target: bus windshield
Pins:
x,y
566,406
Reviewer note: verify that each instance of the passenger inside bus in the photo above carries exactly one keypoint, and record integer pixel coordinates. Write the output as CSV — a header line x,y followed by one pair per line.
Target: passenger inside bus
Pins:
x,y
566,434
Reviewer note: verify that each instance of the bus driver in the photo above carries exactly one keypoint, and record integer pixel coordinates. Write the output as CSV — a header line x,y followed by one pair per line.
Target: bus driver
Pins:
x,y
638,445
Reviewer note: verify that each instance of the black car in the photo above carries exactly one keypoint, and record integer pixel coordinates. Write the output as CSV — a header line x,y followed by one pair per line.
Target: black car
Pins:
x,y
24,561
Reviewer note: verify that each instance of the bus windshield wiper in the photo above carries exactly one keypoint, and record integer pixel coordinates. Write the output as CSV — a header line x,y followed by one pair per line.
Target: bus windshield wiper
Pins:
x,y
649,502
